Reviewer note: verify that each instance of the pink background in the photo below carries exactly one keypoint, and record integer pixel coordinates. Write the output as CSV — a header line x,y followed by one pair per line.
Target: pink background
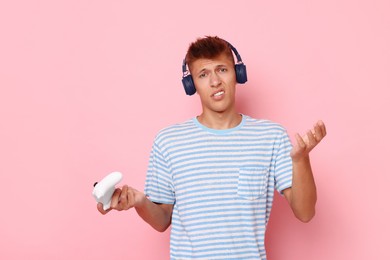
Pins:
x,y
86,85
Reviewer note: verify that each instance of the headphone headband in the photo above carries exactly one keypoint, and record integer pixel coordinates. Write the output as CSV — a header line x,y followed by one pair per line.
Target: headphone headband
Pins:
x,y
238,57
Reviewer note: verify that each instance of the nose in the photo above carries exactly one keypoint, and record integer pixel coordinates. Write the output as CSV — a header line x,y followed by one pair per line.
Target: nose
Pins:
x,y
215,80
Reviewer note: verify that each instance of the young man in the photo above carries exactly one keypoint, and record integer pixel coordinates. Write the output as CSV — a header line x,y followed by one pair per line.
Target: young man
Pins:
x,y
213,177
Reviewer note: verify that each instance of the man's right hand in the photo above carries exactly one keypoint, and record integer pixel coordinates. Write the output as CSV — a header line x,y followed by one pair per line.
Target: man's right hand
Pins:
x,y
158,215
122,199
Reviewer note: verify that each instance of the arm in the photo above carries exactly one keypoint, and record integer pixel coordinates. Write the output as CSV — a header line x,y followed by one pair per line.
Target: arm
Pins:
x,y
157,215
302,195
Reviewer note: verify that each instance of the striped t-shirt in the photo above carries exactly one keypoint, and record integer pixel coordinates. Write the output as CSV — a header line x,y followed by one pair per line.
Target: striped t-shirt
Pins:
x,y
221,183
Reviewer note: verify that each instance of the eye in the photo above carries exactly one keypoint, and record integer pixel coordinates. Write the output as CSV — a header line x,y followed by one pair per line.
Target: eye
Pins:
x,y
202,75
223,70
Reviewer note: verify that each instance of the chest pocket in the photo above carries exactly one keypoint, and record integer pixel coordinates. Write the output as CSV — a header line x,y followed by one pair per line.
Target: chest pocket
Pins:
x,y
252,182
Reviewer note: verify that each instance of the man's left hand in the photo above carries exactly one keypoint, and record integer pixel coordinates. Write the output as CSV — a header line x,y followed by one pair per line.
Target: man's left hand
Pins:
x,y
306,143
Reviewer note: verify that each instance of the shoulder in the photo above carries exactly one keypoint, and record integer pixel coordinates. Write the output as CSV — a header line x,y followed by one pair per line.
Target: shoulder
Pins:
x,y
175,130
263,125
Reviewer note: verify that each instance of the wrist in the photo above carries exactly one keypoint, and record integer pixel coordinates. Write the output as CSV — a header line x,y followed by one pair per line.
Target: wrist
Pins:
x,y
301,160
139,199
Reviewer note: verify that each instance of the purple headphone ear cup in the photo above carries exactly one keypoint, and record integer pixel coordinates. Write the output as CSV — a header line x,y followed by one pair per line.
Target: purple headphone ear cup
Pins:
x,y
188,84
241,76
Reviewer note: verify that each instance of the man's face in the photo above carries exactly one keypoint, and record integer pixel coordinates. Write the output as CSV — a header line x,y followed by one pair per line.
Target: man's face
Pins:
x,y
215,82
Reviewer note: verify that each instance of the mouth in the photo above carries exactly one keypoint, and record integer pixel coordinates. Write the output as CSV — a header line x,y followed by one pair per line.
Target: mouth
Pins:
x,y
219,93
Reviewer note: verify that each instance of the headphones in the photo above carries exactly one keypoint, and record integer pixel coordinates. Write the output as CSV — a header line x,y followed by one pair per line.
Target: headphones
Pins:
x,y
240,69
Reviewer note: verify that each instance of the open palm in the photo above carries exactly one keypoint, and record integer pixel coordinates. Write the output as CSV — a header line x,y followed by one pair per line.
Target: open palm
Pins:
x,y
306,143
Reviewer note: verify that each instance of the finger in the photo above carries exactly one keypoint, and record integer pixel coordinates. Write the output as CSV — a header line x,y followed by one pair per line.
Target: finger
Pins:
x,y
312,139
323,128
115,198
301,143
101,210
123,197
318,135
130,199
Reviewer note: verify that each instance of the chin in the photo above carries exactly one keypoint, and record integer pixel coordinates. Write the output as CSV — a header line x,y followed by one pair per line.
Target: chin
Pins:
x,y
220,110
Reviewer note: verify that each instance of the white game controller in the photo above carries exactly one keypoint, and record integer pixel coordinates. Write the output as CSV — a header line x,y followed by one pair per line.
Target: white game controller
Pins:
x,y
104,189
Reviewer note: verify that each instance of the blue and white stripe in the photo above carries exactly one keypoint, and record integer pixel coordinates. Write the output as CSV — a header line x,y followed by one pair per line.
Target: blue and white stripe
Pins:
x,y
221,183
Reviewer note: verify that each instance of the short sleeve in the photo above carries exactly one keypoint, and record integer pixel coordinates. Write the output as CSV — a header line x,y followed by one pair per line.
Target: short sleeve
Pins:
x,y
283,163
158,184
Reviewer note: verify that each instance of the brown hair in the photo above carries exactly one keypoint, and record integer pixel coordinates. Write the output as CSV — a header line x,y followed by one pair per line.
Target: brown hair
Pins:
x,y
208,48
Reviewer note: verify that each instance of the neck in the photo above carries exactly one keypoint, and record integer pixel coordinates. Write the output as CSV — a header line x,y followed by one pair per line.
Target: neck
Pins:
x,y
220,121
